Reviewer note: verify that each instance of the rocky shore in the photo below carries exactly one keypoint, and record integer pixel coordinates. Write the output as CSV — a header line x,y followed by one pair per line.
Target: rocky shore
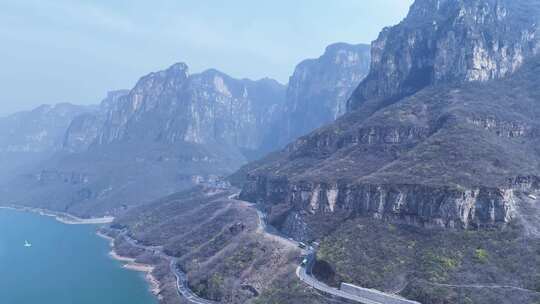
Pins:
x,y
132,264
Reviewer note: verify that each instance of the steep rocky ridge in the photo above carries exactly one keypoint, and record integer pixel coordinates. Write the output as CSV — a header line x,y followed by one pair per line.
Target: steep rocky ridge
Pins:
x,y
442,134
85,129
319,89
444,41
450,156
172,106
184,129
172,131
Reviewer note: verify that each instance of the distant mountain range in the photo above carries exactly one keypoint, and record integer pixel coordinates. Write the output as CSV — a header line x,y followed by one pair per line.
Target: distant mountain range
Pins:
x,y
30,136
412,166
180,130
39,130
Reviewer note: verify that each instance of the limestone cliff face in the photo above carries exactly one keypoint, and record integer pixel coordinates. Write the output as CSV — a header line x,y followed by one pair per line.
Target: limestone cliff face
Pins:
x,y
85,129
421,205
437,134
182,129
173,106
319,89
444,41
459,155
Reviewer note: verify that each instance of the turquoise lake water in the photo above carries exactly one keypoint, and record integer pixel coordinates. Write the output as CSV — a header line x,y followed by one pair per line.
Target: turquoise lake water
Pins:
x,y
67,264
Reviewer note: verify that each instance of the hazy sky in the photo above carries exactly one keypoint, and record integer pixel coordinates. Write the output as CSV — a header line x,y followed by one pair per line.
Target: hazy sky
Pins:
x,y
76,50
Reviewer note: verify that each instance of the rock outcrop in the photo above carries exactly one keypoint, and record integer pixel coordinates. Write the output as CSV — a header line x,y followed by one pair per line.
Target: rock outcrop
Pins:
x,y
446,156
444,41
319,89
183,129
414,204
445,119
85,129
173,106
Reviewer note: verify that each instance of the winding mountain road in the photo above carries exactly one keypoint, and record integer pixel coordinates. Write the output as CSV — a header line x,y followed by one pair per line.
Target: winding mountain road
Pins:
x,y
304,273
182,286
301,271
181,278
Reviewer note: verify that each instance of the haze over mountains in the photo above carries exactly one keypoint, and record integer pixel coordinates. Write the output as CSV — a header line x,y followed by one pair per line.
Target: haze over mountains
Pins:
x,y
182,129
418,173
27,137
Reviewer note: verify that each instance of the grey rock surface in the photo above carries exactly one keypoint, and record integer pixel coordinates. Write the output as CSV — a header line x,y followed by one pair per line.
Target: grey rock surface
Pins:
x,y
448,41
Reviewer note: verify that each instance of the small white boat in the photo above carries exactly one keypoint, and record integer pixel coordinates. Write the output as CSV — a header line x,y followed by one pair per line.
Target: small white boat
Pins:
x,y
26,244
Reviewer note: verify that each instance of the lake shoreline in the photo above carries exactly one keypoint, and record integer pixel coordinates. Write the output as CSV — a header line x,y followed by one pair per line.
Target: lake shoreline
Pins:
x,y
132,264
62,217
94,225
69,219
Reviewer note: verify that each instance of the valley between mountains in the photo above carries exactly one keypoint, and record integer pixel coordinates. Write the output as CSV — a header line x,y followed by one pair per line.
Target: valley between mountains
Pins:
x,y
410,167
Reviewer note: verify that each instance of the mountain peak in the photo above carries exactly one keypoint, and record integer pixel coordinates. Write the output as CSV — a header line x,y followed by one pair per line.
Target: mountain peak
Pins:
x,y
340,46
179,67
214,73
319,88
444,41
